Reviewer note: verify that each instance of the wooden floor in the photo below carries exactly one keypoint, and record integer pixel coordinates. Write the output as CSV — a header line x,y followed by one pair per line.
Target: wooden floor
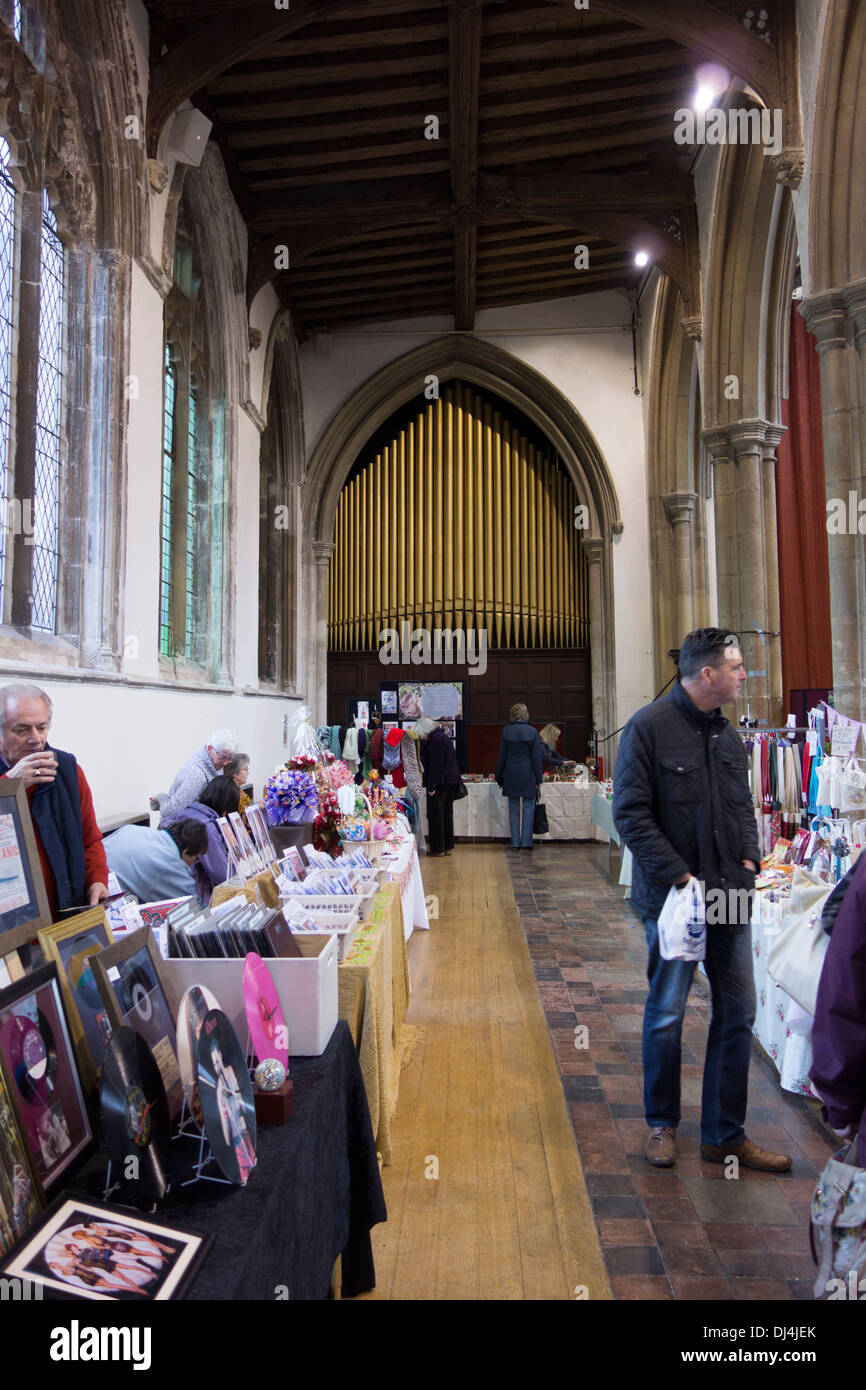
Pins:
x,y
481,1105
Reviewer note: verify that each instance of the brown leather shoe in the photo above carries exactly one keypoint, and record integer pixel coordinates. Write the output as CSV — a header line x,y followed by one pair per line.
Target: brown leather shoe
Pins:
x,y
749,1154
661,1147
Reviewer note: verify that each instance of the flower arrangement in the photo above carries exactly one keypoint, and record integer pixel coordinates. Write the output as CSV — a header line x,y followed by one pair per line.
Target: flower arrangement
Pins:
x,y
302,763
290,797
326,834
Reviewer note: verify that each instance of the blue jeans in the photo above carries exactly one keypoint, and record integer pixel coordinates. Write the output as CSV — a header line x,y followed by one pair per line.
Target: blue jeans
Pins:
x,y
729,1041
521,840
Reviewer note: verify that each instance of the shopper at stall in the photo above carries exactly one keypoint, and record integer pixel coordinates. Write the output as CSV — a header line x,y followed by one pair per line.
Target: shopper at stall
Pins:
x,y
61,805
154,863
219,798
682,806
519,770
549,756
238,769
839,1031
441,778
219,750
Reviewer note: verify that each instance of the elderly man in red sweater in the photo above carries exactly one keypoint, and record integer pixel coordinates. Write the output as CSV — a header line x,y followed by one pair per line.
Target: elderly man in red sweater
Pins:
x,y
67,836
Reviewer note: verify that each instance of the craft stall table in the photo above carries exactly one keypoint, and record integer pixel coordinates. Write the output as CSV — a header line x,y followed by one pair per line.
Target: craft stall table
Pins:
x,y
405,871
483,814
374,995
312,1198
781,1026
602,817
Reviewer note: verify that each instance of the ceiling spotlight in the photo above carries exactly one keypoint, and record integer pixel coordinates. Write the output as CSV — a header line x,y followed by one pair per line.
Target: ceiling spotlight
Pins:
x,y
641,258
703,98
711,82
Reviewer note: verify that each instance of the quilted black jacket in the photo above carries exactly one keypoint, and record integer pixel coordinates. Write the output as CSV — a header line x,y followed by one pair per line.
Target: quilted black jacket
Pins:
x,y
682,805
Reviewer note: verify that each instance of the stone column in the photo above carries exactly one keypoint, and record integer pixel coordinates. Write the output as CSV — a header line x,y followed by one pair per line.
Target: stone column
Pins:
x,y
724,467
679,510
593,547
835,317
772,439
318,697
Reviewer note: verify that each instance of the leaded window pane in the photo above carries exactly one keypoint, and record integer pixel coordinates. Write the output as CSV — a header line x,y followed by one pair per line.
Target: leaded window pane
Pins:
x,y
48,416
7,264
166,636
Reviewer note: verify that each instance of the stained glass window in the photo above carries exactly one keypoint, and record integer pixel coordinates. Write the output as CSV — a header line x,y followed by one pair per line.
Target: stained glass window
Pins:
x,y
16,19
49,401
191,503
166,633
7,262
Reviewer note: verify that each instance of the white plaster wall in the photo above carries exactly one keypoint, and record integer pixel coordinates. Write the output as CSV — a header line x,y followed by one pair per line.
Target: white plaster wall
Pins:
x,y
131,740
584,347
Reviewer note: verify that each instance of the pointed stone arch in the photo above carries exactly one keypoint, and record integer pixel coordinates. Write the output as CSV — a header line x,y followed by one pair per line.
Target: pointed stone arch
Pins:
x,y
482,363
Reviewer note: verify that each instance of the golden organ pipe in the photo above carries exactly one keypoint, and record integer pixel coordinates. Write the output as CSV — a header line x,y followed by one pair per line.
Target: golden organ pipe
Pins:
x,y
459,522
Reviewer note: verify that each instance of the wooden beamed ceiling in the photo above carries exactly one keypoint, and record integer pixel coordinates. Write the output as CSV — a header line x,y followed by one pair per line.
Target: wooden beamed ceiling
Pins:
x,y
422,157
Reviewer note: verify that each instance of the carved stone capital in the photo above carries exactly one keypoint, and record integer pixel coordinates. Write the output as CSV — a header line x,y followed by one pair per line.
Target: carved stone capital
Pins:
x,y
323,550
789,166
156,275
593,548
693,326
157,175
825,314
717,443
679,507
748,436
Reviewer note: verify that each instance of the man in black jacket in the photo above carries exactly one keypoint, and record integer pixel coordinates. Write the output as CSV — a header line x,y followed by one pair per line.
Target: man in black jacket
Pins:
x,y
682,805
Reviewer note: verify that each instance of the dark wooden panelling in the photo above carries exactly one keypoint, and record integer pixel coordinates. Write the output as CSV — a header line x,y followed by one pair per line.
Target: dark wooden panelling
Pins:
x,y
555,686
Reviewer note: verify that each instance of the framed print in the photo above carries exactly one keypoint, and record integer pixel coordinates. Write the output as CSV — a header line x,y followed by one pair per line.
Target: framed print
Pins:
x,y
72,944
21,1196
23,899
84,1249
134,990
39,1062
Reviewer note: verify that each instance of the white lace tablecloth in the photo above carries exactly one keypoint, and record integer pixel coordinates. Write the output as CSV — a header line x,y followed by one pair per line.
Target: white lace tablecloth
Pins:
x,y
484,812
779,1022
405,870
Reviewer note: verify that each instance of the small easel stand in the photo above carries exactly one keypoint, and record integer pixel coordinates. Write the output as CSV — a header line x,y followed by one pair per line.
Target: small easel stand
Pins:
x,y
117,1186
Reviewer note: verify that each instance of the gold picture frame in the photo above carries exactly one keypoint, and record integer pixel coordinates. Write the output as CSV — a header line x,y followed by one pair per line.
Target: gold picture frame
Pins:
x,y
88,1019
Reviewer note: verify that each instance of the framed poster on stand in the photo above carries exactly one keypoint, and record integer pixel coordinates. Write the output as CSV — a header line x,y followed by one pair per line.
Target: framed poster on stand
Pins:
x,y
23,900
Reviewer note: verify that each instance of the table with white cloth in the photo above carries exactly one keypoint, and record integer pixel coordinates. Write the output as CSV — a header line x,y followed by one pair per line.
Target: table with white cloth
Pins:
x,y
781,1027
405,871
483,814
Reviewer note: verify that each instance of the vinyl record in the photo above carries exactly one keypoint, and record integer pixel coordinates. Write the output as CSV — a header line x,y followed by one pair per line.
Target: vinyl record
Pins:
x,y
196,1002
264,1012
32,1055
136,988
226,1098
135,1117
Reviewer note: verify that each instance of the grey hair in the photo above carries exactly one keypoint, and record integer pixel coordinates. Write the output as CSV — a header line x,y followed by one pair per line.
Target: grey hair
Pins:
x,y
518,712
424,727
223,741
22,692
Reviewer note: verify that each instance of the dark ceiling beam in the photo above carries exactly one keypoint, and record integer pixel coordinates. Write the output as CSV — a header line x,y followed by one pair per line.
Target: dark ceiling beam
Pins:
x,y
219,43
465,18
708,33
569,186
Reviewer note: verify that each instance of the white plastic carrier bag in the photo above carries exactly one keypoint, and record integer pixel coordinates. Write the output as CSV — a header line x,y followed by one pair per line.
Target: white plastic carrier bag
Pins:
x,y
682,923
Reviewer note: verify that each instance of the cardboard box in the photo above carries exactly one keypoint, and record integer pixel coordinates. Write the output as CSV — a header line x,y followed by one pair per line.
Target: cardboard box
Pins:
x,y
306,985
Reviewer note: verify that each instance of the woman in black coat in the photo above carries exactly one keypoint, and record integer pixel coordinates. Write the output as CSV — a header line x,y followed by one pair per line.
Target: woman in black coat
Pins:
x,y
518,773
441,778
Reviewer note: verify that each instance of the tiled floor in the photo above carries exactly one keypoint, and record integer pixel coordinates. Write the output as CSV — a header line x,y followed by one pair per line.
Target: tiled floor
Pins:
x,y
685,1232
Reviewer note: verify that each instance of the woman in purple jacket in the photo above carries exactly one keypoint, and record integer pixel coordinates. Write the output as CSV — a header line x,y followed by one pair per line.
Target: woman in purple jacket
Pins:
x,y
839,1034
220,796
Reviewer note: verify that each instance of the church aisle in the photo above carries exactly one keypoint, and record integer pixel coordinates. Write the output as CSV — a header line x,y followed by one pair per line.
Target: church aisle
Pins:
x,y
683,1232
481,1105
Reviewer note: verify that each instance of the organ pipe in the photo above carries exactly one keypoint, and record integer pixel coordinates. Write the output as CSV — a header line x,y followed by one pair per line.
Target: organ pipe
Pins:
x,y
459,522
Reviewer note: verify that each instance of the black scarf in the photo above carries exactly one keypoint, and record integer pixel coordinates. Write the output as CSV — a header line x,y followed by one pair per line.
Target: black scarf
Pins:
x,y
56,812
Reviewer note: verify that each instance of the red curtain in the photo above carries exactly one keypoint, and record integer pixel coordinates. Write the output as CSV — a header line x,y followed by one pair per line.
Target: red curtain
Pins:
x,y
801,512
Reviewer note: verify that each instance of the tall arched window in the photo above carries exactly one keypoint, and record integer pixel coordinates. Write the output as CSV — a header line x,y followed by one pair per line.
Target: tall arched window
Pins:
x,y
30,448
49,404
192,444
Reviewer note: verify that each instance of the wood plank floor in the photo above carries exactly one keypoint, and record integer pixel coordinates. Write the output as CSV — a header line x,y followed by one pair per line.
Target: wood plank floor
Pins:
x,y
481,1105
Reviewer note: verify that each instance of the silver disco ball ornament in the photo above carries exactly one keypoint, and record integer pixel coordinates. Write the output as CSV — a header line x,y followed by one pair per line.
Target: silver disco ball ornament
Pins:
x,y
270,1074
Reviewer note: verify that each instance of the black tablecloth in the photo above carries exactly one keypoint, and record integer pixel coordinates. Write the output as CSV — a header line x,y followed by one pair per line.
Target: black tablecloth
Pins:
x,y
315,1193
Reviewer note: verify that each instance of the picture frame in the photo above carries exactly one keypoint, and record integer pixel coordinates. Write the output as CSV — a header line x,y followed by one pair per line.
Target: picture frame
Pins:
x,y
71,944
22,1198
135,989
83,1249
24,906
41,1066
